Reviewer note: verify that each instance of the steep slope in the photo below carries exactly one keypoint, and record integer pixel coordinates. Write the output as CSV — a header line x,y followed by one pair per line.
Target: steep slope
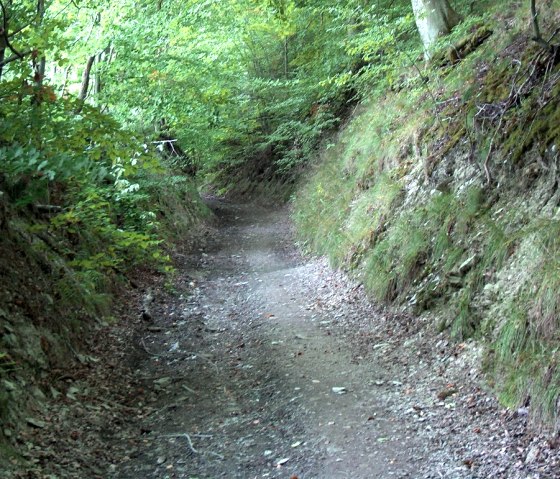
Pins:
x,y
443,198
53,306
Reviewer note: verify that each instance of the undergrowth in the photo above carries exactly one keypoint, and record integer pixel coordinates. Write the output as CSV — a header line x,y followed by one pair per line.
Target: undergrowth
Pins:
x,y
83,203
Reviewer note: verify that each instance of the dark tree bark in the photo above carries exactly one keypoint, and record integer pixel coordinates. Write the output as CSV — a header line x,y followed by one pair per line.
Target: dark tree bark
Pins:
x,y
85,83
97,86
6,37
3,36
2,55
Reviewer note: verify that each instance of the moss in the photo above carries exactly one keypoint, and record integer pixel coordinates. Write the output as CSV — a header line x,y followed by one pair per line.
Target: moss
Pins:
x,y
445,138
532,126
536,119
546,127
462,47
496,86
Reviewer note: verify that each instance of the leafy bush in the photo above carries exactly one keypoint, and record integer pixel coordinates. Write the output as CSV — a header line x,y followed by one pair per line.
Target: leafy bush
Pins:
x,y
86,172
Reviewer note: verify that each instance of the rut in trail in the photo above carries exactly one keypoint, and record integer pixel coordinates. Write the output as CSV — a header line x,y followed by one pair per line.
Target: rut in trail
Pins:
x,y
273,366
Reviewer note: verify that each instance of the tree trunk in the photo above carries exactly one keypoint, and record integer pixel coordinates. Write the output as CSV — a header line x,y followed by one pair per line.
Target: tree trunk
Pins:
x,y
4,37
85,84
40,64
97,77
434,18
65,81
102,57
2,55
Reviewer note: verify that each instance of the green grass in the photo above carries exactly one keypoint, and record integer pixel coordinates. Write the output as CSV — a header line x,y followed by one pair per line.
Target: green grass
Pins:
x,y
513,335
360,209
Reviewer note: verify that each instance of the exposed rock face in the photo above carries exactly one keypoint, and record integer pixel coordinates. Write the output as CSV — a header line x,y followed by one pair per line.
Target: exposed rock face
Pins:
x,y
434,18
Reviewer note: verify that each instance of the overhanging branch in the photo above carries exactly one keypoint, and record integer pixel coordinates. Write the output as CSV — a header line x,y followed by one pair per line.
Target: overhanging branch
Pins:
x,y
14,57
6,37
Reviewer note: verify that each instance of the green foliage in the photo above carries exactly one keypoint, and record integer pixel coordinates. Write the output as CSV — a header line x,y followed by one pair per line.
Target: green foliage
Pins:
x,y
250,90
231,80
86,164
6,364
99,181
84,289
93,220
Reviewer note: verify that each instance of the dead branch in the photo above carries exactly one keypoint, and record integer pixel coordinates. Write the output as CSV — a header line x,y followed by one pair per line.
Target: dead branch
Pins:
x,y
85,84
190,443
512,98
187,437
47,209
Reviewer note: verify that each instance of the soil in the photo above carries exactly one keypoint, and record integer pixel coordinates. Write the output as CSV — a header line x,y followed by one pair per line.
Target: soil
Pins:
x,y
260,363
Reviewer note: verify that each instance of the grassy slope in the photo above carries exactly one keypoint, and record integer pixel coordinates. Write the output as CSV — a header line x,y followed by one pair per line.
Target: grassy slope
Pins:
x,y
444,198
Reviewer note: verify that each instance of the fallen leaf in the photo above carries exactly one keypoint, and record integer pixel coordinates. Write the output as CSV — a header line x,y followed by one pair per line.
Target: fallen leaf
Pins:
x,y
445,393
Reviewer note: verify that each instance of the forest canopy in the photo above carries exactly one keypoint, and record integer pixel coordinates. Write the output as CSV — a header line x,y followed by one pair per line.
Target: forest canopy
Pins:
x,y
227,79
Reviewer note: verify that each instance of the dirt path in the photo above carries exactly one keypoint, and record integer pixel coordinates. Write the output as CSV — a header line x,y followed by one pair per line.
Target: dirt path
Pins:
x,y
269,366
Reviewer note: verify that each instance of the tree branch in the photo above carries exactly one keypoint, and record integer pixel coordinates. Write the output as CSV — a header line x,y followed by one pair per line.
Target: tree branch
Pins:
x,y
534,18
5,34
13,58
5,18
11,47
18,30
